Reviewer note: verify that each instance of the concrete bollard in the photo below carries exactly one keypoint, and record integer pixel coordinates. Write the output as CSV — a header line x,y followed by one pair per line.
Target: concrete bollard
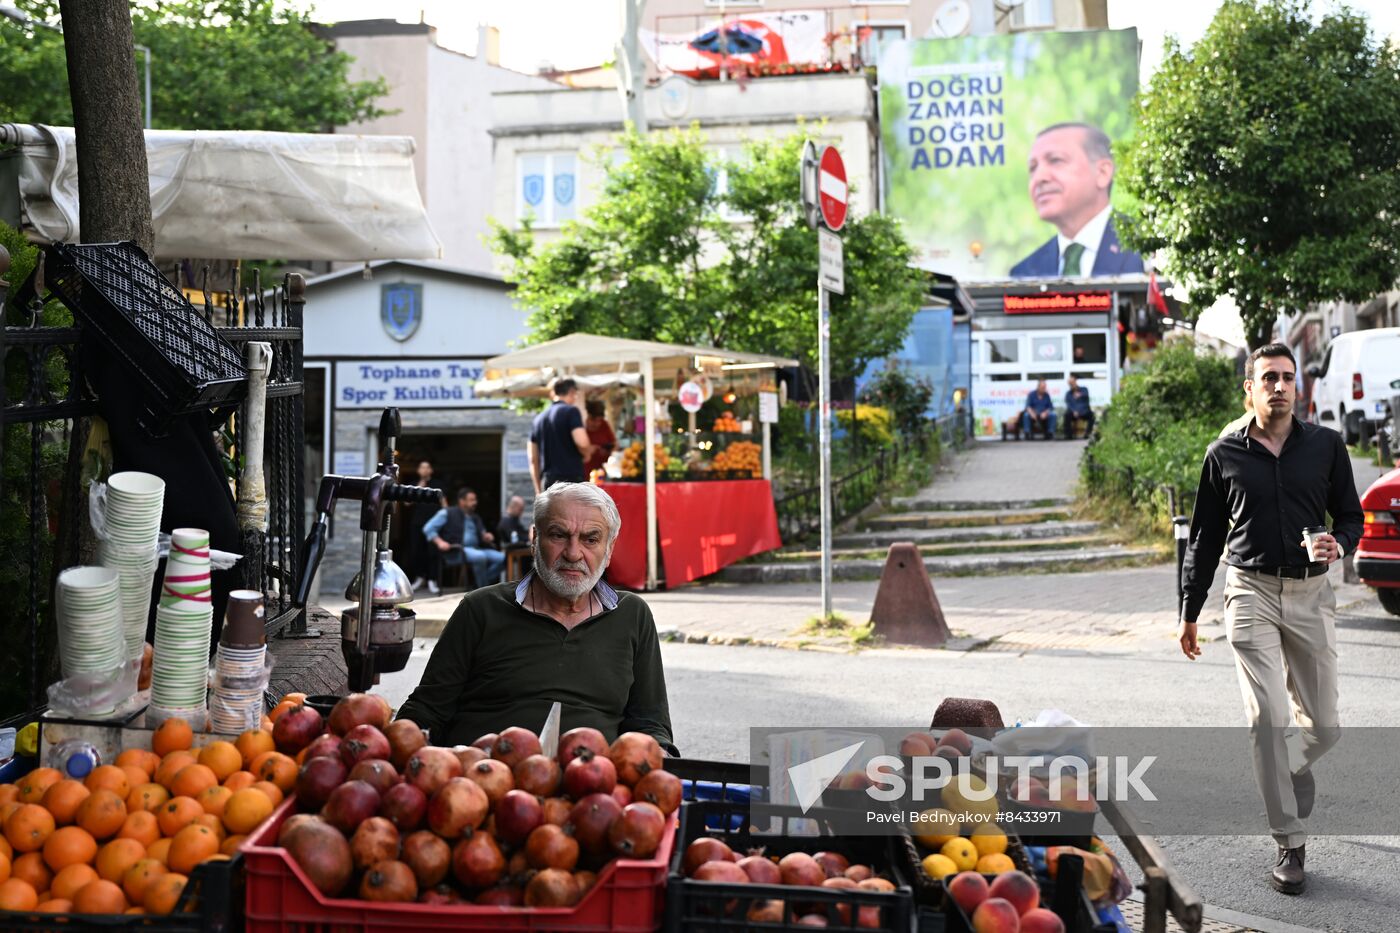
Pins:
x,y
906,609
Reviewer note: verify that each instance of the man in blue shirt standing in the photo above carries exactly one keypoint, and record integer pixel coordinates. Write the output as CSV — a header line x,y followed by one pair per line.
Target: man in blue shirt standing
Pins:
x,y
558,440
1039,409
461,537
1077,409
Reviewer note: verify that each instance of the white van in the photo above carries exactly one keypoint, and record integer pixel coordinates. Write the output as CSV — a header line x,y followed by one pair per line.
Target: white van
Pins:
x,y
1358,375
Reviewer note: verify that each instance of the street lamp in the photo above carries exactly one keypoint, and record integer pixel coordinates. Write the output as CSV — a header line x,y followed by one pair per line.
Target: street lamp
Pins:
x,y
24,19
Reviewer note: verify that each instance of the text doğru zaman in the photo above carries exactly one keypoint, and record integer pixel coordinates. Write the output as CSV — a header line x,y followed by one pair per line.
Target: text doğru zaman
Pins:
x,y
955,122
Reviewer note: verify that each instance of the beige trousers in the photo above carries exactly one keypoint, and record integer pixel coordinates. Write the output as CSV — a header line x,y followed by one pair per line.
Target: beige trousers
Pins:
x,y
1285,640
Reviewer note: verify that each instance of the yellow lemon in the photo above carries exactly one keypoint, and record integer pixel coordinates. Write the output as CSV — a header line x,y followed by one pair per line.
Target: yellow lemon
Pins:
x,y
962,853
989,839
959,794
938,865
935,827
995,864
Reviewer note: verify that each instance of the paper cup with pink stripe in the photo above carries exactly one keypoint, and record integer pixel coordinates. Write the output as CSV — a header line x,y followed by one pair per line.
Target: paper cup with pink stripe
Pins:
x,y
186,587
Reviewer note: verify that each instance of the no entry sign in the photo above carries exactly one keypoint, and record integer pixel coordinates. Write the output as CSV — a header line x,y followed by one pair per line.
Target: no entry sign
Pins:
x,y
831,188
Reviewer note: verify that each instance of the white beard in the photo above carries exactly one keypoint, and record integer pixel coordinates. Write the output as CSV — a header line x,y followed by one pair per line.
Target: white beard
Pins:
x,y
556,583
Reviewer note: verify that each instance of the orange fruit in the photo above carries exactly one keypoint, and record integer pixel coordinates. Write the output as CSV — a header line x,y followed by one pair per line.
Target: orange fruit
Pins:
x,y
277,768
163,893
31,868
251,744
273,792
4,867
246,809
33,785
192,845
177,814
192,780
995,863
159,850
67,882
141,758
70,845
99,897
148,797
140,825
293,697
213,799
266,724
172,735
281,708
28,827
139,876
223,758
9,792
172,765
239,780
55,905
214,824
62,800
108,777
18,895
117,856
5,848
102,813
230,844
135,775
134,911
7,808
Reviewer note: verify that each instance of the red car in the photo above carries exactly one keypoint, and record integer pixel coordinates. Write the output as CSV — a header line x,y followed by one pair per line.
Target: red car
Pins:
x,y
1378,555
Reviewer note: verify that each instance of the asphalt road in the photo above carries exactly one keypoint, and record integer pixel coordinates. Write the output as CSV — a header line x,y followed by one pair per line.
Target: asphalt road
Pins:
x,y
718,693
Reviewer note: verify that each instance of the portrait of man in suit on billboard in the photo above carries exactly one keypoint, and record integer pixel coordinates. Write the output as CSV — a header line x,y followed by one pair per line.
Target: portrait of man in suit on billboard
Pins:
x,y
1071,178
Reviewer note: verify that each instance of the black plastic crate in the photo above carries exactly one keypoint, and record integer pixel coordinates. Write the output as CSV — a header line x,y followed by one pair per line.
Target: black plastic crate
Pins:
x,y
1075,910
718,780
115,289
929,892
700,905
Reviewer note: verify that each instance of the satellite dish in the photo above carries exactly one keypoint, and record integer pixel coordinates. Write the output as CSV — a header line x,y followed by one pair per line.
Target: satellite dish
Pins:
x,y
953,18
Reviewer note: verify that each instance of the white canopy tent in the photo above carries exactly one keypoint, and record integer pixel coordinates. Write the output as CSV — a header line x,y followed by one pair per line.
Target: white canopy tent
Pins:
x,y
593,359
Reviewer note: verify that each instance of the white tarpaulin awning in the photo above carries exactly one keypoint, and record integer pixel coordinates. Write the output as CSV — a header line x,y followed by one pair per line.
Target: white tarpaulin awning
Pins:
x,y
247,195
577,352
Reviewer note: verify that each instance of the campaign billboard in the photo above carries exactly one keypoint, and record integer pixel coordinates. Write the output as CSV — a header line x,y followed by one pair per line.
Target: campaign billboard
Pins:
x,y
999,151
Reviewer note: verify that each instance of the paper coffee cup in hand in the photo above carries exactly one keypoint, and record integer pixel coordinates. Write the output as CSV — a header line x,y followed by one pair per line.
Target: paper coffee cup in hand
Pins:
x,y
1310,536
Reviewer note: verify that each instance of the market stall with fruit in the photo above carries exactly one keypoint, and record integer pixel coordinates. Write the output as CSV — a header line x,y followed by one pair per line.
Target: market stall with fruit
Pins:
x,y
691,473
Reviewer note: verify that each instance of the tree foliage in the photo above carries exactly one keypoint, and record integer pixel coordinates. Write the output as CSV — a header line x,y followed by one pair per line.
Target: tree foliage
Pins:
x,y
660,256
1267,161
215,65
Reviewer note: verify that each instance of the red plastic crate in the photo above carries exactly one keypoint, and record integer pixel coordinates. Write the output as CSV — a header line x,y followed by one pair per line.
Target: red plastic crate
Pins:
x,y
628,897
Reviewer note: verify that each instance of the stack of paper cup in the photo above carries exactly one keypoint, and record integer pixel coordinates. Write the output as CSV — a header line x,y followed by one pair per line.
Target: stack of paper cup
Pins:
x,y
184,621
89,620
134,502
236,701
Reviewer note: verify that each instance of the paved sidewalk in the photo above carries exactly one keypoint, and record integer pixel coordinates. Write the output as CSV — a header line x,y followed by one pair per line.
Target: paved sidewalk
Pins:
x,y
994,470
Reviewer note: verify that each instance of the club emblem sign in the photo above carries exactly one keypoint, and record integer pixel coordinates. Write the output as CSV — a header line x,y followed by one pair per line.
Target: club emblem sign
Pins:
x,y
401,309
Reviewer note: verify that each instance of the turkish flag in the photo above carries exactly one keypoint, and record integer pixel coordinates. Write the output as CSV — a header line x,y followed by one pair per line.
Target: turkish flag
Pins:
x,y
1155,298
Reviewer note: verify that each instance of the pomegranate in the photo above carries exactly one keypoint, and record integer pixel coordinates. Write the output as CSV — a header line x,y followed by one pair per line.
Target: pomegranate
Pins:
x,y
349,805
833,863
459,806
588,774
405,806
494,777
883,885
389,881
538,775
297,728
760,870
518,866
766,912
514,745
323,746
428,856
634,754
842,909
440,895
429,768
362,742
552,888
316,779
661,788
637,832
468,755
504,895
585,880
477,861
591,818
486,742
704,850
556,810
550,846
375,772
292,823
375,840
323,854
358,709
577,741
405,738
799,868
517,815
727,872
622,794
859,873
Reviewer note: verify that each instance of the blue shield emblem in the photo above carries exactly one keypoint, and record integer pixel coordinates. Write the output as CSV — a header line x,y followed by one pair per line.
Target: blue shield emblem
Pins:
x,y
401,309
563,189
533,190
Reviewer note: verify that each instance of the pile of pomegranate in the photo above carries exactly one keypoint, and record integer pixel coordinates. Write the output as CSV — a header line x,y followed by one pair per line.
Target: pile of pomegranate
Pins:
x,y
710,859
392,818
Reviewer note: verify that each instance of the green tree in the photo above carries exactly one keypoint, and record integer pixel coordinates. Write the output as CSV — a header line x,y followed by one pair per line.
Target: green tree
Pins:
x,y
659,256
1267,162
216,65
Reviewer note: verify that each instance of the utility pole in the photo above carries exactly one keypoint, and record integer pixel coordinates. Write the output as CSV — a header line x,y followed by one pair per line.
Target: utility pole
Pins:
x,y
632,72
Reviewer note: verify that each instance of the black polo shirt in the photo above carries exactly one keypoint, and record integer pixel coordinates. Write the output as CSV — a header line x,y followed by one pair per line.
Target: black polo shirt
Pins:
x,y
1257,504
553,433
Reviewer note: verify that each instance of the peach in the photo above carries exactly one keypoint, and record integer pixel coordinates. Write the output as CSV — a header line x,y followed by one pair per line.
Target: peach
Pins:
x,y
995,915
1017,888
1041,920
968,889
957,739
916,745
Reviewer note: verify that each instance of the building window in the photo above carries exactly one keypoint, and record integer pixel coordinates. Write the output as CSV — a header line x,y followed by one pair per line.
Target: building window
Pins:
x,y
1004,350
1048,349
873,37
1090,348
547,188
1033,14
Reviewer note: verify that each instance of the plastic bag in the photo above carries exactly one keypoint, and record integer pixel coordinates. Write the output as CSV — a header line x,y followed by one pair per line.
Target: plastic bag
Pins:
x,y
98,694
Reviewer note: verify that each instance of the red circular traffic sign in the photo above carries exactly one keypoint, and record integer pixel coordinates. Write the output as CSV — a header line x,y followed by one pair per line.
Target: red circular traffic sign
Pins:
x,y
831,188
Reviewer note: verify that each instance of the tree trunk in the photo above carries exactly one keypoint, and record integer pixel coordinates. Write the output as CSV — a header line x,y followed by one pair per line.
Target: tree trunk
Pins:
x,y
113,180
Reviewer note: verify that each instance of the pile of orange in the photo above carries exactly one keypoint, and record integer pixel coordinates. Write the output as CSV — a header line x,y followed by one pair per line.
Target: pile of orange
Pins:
x,y
727,424
740,455
125,838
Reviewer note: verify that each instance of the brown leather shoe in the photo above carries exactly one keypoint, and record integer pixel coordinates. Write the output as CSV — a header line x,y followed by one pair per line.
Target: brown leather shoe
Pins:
x,y
1287,876
1304,791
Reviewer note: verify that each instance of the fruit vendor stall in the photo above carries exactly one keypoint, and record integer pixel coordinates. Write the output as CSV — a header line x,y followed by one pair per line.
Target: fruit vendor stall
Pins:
x,y
691,474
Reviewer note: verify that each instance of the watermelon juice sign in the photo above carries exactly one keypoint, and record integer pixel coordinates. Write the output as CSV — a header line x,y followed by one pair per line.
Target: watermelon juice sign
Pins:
x,y
998,151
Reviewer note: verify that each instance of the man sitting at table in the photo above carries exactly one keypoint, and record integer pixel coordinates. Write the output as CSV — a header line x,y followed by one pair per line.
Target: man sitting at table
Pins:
x,y
512,529
1040,410
511,651
461,537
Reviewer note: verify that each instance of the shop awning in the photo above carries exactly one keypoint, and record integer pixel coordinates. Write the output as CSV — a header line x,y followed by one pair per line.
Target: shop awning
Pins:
x,y
247,195
578,353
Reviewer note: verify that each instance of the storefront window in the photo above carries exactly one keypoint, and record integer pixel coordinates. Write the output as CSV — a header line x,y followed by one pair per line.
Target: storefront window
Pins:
x,y
1048,349
1090,348
1004,350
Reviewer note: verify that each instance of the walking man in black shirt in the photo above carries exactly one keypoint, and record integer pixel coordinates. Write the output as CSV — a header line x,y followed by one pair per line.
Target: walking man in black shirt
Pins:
x,y
1261,485
558,441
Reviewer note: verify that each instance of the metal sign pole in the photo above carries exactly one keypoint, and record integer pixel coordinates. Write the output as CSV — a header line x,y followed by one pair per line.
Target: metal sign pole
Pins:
x,y
824,406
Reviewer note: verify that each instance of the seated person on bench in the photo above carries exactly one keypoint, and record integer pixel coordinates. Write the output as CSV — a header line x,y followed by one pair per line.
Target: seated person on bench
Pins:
x,y
461,537
1040,410
1077,409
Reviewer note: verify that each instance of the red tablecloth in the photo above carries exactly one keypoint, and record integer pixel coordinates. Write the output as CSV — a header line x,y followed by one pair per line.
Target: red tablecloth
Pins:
x,y
701,527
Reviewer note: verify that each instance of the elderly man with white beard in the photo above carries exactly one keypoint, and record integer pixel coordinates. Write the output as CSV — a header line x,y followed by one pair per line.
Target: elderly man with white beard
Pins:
x,y
512,650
